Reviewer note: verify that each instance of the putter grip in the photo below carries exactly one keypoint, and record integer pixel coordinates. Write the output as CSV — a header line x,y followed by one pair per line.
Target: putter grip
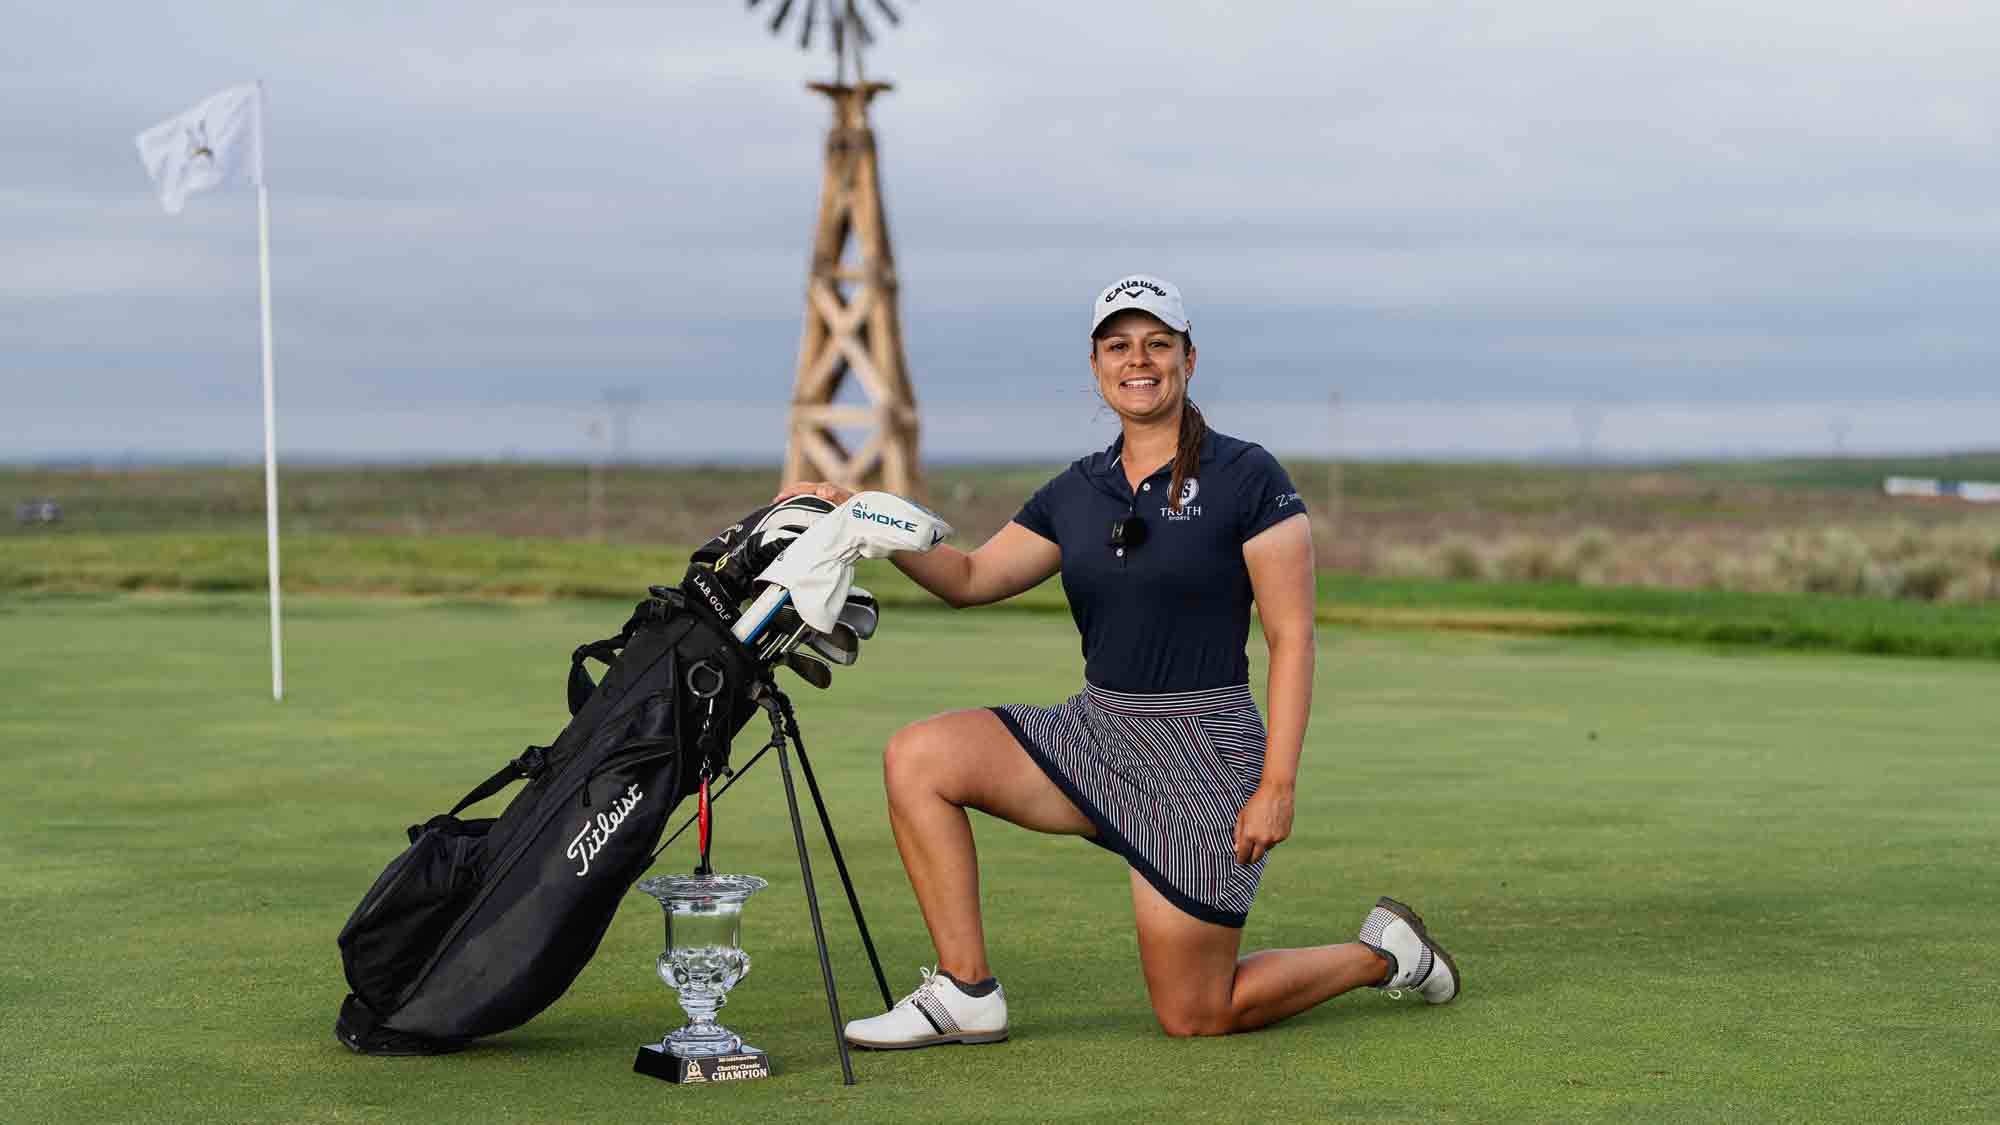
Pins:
x,y
760,613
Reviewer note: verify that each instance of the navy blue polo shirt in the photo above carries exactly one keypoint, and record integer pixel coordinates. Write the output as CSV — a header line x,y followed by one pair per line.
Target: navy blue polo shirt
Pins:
x,y
1173,613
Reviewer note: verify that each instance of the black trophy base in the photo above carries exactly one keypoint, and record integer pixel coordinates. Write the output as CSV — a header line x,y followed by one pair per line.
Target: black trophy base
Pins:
x,y
745,1064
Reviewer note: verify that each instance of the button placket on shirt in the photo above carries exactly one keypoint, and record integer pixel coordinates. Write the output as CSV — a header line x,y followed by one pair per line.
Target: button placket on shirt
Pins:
x,y
1131,510
1121,488
1144,486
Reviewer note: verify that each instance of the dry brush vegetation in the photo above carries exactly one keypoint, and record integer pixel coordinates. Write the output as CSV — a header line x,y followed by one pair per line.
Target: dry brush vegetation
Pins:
x,y
1668,529
1794,526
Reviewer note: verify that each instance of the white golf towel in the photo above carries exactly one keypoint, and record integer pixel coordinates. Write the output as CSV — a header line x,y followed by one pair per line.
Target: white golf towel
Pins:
x,y
818,566
206,146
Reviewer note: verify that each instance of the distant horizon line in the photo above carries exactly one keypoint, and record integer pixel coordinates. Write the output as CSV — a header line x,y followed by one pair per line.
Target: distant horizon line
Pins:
x,y
1005,432
1553,458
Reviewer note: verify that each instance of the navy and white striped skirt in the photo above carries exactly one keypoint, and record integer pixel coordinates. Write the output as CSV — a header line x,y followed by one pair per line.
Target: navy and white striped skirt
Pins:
x,y
1162,777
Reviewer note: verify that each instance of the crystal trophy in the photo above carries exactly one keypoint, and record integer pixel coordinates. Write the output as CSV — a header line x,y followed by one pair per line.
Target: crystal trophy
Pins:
x,y
703,960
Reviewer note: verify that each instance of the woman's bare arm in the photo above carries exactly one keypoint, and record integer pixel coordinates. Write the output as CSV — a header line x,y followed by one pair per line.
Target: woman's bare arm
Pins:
x,y
1280,561
1015,559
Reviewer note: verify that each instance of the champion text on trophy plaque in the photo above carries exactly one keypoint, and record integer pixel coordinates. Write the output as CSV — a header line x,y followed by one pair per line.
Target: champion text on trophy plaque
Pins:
x,y
656,1061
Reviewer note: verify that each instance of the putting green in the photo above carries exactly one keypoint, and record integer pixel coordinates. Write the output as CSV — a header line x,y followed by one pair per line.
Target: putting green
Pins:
x,y
1681,885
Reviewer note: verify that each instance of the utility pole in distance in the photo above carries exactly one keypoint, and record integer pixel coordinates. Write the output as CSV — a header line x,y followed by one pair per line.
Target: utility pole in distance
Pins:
x,y
594,429
621,403
1589,423
1333,466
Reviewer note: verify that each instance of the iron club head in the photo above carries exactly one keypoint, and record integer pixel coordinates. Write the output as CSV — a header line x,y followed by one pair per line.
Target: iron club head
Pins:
x,y
810,669
840,647
861,613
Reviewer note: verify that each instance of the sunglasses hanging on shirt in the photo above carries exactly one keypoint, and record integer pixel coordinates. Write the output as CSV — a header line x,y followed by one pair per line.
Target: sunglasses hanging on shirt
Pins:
x,y
1128,533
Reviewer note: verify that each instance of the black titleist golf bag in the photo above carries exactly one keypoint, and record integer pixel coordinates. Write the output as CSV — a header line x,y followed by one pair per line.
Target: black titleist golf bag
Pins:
x,y
480,924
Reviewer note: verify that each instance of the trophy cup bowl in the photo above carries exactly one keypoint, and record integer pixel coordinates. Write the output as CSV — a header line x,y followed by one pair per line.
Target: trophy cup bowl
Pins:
x,y
703,960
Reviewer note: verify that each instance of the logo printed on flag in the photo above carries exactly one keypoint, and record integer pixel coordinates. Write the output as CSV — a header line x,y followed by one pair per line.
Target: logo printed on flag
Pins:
x,y
205,146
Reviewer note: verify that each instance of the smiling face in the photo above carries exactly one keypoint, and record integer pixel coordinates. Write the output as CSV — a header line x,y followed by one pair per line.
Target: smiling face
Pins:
x,y
1142,366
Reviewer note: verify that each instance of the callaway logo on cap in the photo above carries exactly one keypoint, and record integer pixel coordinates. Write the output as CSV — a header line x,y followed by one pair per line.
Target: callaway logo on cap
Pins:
x,y
1147,294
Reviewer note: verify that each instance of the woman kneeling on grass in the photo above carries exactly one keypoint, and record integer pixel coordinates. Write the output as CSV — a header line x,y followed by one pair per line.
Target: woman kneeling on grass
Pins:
x,y
1163,542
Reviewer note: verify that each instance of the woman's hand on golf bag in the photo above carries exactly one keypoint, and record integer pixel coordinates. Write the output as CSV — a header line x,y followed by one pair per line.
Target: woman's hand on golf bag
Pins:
x,y
831,493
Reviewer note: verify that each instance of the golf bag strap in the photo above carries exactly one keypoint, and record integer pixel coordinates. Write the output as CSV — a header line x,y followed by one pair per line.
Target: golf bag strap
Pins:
x,y
529,764
660,607
580,683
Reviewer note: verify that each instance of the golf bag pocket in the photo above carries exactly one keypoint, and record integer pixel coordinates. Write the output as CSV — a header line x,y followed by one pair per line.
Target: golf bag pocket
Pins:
x,y
416,898
652,721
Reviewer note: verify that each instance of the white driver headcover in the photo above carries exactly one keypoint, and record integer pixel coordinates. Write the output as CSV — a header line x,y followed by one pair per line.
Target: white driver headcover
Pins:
x,y
818,566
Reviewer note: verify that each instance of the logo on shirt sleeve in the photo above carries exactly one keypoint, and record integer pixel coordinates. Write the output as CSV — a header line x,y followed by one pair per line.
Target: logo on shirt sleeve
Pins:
x,y
1287,499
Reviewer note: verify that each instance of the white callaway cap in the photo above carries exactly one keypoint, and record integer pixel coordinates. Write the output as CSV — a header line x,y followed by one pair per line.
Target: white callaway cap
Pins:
x,y
1147,294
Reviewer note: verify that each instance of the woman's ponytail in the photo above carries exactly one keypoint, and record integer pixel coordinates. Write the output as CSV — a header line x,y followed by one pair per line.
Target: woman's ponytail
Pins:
x,y
1187,457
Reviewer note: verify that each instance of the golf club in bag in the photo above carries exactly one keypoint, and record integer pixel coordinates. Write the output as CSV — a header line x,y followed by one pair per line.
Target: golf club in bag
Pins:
x,y
481,923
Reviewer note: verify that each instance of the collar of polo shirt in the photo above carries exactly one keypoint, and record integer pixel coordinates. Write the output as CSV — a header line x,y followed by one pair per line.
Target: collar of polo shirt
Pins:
x,y
1107,461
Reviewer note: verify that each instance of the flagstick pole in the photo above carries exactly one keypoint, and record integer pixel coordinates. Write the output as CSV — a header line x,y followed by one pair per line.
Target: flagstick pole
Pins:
x,y
270,437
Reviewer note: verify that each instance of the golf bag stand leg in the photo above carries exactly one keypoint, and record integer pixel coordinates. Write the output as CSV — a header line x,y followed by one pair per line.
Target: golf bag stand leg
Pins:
x,y
812,905
833,845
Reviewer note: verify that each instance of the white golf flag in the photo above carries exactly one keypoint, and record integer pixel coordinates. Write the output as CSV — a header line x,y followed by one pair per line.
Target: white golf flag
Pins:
x,y
197,150
220,139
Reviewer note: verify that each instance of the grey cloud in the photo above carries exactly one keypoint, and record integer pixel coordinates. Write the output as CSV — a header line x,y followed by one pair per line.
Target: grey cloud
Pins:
x,y
1546,202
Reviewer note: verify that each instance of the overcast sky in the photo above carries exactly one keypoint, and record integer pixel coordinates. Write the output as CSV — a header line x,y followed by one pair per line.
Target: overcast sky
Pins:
x,y
1518,228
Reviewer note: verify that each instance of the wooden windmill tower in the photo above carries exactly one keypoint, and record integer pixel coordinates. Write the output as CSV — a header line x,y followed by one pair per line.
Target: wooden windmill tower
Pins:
x,y
852,328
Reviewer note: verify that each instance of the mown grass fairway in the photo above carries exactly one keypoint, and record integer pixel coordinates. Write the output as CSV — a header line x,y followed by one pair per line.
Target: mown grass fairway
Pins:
x,y
494,568
1681,885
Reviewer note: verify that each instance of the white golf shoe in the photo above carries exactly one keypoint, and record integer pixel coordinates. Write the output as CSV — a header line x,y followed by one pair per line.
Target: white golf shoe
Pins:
x,y
939,1011
1417,963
